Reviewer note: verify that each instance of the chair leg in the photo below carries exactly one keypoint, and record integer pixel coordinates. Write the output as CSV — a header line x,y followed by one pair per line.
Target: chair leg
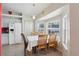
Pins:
x,y
38,51
48,49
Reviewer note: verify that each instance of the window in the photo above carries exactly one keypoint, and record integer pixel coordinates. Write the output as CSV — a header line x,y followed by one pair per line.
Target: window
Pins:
x,y
66,31
41,27
53,27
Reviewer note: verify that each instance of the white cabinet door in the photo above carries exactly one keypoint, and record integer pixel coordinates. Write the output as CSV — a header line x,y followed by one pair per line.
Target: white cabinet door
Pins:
x,y
17,32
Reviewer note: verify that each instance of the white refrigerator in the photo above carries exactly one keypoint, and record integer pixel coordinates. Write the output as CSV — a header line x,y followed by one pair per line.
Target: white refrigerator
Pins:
x,y
15,33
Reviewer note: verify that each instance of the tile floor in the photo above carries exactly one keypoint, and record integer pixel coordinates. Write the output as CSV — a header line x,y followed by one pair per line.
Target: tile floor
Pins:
x,y
17,50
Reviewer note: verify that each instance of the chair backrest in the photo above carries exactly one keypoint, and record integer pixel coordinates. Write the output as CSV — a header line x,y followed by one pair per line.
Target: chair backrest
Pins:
x,y
34,33
52,37
24,39
42,39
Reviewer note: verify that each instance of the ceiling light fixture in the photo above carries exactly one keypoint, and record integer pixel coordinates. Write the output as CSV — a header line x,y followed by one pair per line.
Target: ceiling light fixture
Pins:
x,y
33,17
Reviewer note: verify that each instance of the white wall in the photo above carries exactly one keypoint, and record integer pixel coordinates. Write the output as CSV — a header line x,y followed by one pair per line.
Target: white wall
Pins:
x,y
27,24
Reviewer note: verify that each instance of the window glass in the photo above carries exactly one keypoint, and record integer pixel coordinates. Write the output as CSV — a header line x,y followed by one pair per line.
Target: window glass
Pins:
x,y
53,27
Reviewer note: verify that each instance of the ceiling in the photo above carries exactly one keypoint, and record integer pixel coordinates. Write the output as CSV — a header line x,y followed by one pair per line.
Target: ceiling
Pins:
x,y
29,9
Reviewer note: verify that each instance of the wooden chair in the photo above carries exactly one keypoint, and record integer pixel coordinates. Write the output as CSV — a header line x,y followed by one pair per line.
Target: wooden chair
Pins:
x,y
34,33
25,43
52,41
42,43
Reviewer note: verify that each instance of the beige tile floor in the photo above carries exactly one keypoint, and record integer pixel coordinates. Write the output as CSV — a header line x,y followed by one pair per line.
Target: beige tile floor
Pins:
x,y
17,50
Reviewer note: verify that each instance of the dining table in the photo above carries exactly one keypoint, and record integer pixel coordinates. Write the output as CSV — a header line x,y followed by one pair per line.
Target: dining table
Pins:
x,y
33,41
